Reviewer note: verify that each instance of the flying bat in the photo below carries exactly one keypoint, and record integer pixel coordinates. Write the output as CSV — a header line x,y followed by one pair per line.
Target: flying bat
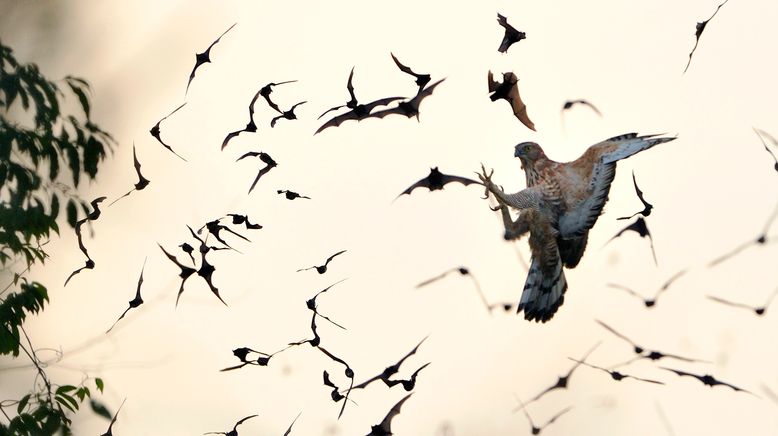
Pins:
x,y
535,429
287,115
408,108
508,90
385,427
421,79
465,272
95,214
142,181
650,302
311,302
409,384
646,205
251,127
188,249
706,379
511,34
116,415
234,431
640,350
291,195
289,430
436,181
757,310
155,132
760,240
352,103
349,373
135,302
391,369
562,381
244,219
268,89
316,340
206,269
242,353
185,273
214,228
639,227
358,113
615,374
204,57
321,269
698,33
264,157
570,103
762,134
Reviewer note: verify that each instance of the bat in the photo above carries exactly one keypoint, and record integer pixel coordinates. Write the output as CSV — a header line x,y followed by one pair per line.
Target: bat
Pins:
x,y
508,90
311,302
639,227
289,430
421,79
316,338
206,269
408,108
436,181
707,379
264,157
650,302
385,427
321,269
358,113
511,34
268,89
646,205
204,58
761,134
465,272
185,273
352,103
251,127
349,374
409,384
155,132
135,302
534,428
242,353
615,374
291,195
234,431
142,181
214,228
95,214
188,249
109,432
391,369
760,240
244,219
698,33
639,350
570,103
562,381
287,115
757,310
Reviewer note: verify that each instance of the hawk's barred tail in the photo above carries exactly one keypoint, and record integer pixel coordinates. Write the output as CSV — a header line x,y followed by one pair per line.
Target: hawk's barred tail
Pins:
x,y
543,294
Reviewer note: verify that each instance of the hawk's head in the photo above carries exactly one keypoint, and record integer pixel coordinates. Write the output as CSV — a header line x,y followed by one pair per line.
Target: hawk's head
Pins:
x,y
528,152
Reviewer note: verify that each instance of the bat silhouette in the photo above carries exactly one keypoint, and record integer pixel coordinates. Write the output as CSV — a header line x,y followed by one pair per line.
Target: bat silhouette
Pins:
x,y
234,431
289,430
646,205
534,428
264,157
268,89
316,340
95,214
244,219
385,427
707,379
358,113
563,380
155,132
214,228
185,273
760,310
311,302
408,108
321,269
760,240
251,126
436,181
640,350
206,269
204,58
291,195
135,302
142,181
639,227
511,34
465,272
421,79
109,432
508,90
188,249
287,115
570,103
615,374
391,369
650,302
762,134
349,373
352,103
242,353
409,384
698,33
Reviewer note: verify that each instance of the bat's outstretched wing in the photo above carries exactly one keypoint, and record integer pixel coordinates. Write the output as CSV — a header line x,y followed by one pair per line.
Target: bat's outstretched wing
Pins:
x,y
698,33
385,428
359,113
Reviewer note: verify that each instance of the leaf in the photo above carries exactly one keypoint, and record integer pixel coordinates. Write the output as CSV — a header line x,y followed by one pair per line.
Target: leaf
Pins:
x,y
99,384
61,400
72,213
78,89
100,409
22,404
65,389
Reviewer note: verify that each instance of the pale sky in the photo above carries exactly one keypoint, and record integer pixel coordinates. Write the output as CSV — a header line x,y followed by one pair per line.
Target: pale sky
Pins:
x,y
713,188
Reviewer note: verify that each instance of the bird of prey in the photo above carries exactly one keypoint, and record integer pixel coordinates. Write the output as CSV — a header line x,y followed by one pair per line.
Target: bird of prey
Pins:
x,y
760,310
321,269
698,33
421,79
291,195
95,214
570,103
534,428
563,380
511,34
650,302
436,181
385,427
409,108
707,379
287,115
508,90
204,57
234,431
464,272
615,374
762,134
642,352
266,90
639,227
264,157
135,302
391,369
646,205
251,126
109,432
573,195
142,181
155,132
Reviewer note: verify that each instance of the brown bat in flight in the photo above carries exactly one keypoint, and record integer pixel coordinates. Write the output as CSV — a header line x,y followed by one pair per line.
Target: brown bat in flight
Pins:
x,y
639,227
760,310
251,127
385,427
95,214
508,90
352,103
707,379
155,132
204,57
436,181
185,273
321,269
641,351
409,384
291,195
268,89
409,108
511,34
391,369
615,374
650,302
264,157
570,103
534,428
142,181
286,115
234,431
646,205
698,33
358,113
464,272
421,79
760,240
563,380
135,302
109,432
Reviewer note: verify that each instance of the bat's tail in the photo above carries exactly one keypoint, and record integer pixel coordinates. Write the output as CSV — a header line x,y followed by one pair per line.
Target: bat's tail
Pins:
x,y
543,292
